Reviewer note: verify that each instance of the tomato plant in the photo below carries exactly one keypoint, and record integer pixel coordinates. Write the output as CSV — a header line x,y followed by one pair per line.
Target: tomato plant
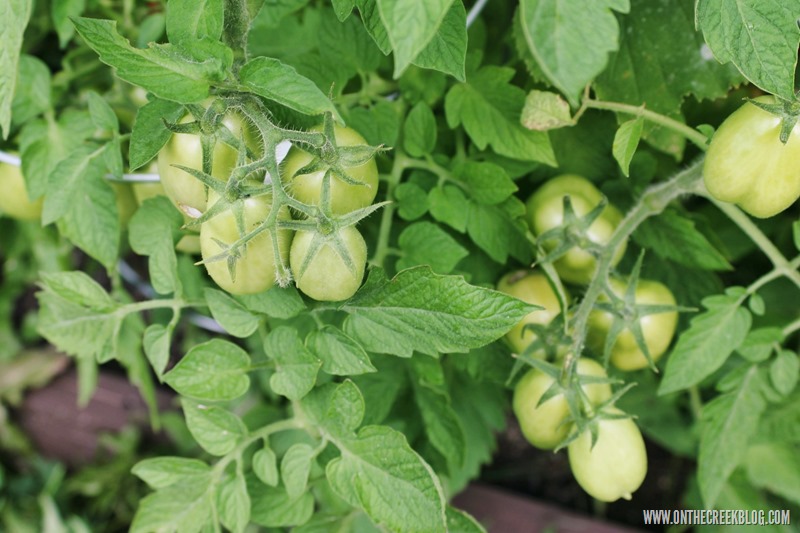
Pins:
x,y
255,270
657,328
546,211
14,199
339,339
747,164
345,197
533,288
613,466
544,423
334,270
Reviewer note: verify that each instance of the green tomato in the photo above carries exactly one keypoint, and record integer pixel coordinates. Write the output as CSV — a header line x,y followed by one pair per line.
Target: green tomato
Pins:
x,y
531,287
545,210
327,277
255,271
14,199
543,425
126,202
617,464
657,329
186,191
747,164
344,197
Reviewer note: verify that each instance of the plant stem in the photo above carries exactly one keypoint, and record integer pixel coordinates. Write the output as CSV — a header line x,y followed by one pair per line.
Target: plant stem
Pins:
x,y
651,203
662,120
782,265
401,162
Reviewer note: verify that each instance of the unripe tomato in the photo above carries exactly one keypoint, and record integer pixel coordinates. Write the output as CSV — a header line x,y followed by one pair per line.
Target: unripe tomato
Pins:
x,y
617,464
545,210
186,150
344,197
657,329
531,287
543,425
14,199
255,270
327,277
747,164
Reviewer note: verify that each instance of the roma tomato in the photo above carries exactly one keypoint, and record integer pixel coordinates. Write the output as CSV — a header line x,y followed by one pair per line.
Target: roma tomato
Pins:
x,y
327,277
255,270
531,287
344,197
543,425
617,464
657,329
545,211
747,164
186,150
14,199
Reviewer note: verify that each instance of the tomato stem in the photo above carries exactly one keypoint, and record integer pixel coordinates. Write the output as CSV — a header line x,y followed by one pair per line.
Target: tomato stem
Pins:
x,y
656,118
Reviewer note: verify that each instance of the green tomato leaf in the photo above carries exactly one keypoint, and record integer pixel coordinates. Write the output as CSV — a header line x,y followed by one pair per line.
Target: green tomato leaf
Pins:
x,y
707,344
487,183
162,69
45,144
625,143
281,83
337,408
213,371
675,237
459,521
179,507
421,311
340,355
776,468
230,314
84,205
378,462
426,243
72,326
447,50
152,232
161,472
272,507
295,367
728,423
412,200
15,15
571,40
233,502
215,429
277,302
784,372
499,231
760,37
379,124
419,131
441,423
410,26
265,466
489,108
34,75
81,289
190,20
348,45
449,205
295,467
149,134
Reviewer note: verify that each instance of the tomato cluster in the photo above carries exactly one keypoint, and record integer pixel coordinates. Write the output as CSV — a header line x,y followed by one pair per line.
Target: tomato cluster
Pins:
x,y
328,262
